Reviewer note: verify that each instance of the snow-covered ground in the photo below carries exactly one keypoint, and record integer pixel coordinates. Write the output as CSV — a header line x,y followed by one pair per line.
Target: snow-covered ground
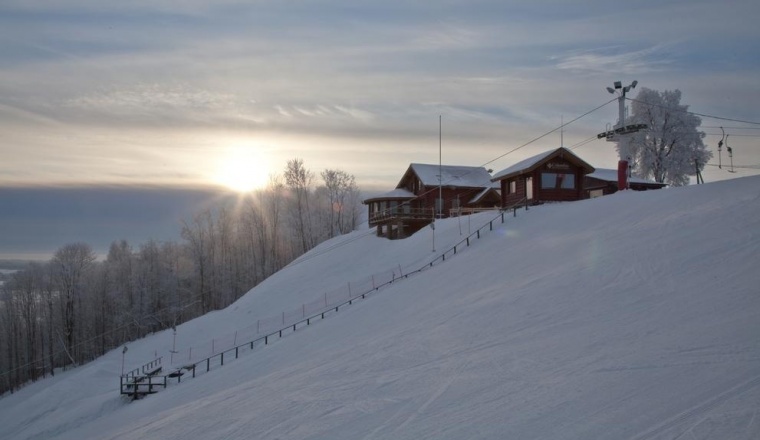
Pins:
x,y
631,316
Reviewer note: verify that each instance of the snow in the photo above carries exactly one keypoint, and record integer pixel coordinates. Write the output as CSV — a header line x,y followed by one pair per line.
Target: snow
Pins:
x,y
609,175
630,316
454,175
523,165
398,193
531,162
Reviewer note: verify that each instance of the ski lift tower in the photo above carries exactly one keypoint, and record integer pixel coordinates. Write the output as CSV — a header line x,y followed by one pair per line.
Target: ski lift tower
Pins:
x,y
621,129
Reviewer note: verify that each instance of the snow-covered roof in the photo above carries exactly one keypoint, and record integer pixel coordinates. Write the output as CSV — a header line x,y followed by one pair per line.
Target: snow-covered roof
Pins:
x,y
609,175
480,195
398,193
452,175
533,161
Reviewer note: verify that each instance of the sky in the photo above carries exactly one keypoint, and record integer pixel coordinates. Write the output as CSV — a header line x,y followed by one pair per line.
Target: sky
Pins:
x,y
187,93
37,221
629,316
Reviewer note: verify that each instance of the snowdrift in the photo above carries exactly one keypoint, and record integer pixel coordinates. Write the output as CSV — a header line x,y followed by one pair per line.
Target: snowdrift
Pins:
x,y
629,316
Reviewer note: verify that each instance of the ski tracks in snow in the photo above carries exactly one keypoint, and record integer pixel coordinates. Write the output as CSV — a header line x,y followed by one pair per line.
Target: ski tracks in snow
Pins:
x,y
697,411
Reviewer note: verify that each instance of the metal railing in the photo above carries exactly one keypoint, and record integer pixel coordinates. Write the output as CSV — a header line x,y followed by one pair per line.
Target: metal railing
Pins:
x,y
136,385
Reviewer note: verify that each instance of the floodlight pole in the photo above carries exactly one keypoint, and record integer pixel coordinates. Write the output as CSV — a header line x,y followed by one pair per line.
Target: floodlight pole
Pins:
x,y
440,171
621,130
720,144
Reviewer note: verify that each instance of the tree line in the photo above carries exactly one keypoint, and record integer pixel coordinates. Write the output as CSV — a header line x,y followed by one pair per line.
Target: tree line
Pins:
x,y
74,307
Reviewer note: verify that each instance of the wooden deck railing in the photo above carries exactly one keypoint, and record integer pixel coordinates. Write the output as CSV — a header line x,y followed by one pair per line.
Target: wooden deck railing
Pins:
x,y
456,212
403,213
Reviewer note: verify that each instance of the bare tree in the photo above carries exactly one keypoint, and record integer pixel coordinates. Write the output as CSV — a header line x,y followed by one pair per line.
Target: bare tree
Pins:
x,y
340,188
71,264
298,180
197,235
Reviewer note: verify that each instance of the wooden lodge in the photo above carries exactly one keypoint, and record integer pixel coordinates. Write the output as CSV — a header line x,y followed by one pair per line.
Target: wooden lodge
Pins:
x,y
415,202
556,175
603,182
552,176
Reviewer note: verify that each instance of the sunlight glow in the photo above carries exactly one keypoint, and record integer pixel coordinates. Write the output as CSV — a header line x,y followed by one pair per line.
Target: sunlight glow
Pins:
x,y
242,168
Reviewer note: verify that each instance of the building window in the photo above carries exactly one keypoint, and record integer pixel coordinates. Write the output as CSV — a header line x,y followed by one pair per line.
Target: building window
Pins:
x,y
557,181
512,186
529,188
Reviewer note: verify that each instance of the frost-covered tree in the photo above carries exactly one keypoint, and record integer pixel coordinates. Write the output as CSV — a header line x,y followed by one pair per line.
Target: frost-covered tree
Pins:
x,y
671,148
298,180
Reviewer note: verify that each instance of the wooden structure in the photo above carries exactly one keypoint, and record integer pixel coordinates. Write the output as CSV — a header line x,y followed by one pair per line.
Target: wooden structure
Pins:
x,y
555,175
603,182
142,381
415,202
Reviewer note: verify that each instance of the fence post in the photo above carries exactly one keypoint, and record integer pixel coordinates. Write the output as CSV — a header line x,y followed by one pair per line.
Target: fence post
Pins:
x,y
222,358
502,216
478,233
208,364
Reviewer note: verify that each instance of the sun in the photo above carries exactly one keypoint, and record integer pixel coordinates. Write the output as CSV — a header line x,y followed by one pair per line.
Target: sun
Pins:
x,y
242,169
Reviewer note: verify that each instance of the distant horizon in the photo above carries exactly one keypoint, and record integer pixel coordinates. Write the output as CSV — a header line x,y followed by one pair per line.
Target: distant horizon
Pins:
x,y
42,218
225,92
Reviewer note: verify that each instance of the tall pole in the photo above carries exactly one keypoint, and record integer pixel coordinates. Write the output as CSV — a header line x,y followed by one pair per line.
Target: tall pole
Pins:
x,y
440,172
621,107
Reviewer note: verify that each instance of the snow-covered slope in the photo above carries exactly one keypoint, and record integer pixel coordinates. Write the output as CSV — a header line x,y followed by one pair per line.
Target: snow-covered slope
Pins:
x,y
631,316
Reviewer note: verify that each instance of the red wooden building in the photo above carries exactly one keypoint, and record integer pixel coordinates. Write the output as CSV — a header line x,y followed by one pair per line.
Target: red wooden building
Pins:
x,y
415,201
605,181
555,175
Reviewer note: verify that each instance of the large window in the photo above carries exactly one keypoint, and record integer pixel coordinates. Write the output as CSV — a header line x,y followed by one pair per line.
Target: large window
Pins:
x,y
557,181
512,186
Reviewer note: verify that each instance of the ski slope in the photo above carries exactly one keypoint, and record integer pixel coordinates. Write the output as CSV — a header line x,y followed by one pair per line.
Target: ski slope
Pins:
x,y
631,316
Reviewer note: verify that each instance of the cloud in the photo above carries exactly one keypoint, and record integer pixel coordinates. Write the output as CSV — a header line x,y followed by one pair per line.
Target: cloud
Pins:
x,y
616,59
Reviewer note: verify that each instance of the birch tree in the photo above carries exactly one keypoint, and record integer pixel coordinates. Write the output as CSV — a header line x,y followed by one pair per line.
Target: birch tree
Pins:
x,y
671,148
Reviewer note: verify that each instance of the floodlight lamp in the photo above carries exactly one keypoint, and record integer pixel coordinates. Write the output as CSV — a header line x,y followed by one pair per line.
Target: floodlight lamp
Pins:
x,y
618,85
627,89
610,89
633,84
